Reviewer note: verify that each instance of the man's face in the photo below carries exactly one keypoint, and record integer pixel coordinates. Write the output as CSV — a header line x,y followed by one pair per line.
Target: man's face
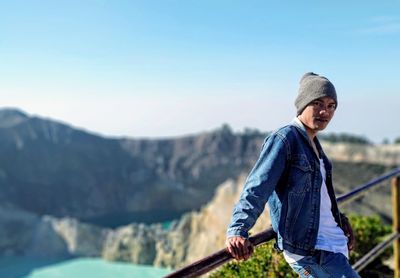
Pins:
x,y
318,113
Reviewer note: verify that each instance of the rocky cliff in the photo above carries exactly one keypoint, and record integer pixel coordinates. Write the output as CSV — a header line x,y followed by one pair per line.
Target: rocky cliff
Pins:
x,y
207,228
194,236
363,153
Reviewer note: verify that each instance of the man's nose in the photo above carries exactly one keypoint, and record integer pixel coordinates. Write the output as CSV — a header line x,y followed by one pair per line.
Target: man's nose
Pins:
x,y
323,110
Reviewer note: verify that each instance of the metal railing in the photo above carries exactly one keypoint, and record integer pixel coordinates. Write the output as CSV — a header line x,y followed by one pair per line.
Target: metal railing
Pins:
x,y
211,262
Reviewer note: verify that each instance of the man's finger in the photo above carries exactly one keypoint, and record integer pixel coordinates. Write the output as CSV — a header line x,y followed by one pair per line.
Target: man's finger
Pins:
x,y
230,250
240,248
249,252
240,251
230,243
248,249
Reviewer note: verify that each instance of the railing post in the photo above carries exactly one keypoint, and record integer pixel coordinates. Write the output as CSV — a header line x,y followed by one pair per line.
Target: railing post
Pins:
x,y
396,223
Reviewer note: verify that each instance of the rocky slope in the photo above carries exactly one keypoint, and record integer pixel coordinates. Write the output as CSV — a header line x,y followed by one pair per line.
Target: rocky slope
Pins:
x,y
361,153
206,232
194,236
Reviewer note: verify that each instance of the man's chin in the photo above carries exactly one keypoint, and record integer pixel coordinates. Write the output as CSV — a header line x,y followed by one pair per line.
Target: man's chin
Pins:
x,y
320,127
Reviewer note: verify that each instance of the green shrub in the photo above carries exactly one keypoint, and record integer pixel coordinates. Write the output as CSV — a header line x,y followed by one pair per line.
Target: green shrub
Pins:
x,y
369,231
266,262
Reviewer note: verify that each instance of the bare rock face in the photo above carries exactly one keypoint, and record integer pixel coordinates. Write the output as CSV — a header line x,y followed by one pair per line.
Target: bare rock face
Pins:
x,y
133,243
210,224
376,154
194,236
26,234
202,233
81,239
45,241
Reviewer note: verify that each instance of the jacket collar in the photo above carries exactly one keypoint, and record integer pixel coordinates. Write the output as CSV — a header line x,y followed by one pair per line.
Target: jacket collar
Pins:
x,y
300,126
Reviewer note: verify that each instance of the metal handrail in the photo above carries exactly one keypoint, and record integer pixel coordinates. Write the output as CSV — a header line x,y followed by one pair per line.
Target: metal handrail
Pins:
x,y
216,259
354,193
375,252
206,264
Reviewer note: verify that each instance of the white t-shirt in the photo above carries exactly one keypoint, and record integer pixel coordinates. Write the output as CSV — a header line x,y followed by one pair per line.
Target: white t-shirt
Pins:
x,y
330,236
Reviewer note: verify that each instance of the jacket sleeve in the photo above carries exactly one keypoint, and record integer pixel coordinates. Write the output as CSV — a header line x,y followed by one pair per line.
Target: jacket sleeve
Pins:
x,y
259,185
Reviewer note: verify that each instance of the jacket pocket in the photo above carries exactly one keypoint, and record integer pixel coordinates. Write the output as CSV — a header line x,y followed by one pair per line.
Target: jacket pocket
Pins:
x,y
294,225
300,177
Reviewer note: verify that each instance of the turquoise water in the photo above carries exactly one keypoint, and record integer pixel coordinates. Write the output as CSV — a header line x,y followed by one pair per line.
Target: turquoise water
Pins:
x,y
75,268
166,225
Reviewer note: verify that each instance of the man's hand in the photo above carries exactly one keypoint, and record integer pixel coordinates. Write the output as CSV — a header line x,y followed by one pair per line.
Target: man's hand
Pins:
x,y
348,232
239,247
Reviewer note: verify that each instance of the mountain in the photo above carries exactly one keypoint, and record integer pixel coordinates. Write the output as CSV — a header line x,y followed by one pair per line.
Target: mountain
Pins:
x,y
49,168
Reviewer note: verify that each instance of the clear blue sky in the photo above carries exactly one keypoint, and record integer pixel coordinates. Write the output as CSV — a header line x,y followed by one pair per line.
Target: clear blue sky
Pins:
x,y
165,68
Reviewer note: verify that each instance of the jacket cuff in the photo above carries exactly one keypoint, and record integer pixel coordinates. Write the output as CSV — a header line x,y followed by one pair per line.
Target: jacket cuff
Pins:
x,y
231,232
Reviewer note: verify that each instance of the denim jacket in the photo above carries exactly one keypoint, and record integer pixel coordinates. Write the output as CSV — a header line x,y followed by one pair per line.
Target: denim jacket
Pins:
x,y
286,176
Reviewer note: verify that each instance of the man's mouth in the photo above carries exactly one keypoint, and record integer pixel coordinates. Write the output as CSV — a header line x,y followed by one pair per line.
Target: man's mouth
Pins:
x,y
321,120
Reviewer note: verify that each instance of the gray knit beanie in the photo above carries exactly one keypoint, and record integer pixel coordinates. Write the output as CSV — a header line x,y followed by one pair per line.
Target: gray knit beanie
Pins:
x,y
312,87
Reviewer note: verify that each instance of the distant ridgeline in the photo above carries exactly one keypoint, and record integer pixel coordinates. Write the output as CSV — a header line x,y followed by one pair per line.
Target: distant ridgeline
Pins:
x,y
50,168
344,138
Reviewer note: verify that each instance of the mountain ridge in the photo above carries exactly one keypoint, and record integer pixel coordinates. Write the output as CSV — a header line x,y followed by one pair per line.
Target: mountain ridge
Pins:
x,y
50,168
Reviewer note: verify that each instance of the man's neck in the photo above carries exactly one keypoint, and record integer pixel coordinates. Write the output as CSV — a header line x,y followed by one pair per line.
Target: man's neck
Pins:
x,y
311,136
310,133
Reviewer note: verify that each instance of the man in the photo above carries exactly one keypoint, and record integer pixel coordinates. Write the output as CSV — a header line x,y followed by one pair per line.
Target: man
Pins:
x,y
294,176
